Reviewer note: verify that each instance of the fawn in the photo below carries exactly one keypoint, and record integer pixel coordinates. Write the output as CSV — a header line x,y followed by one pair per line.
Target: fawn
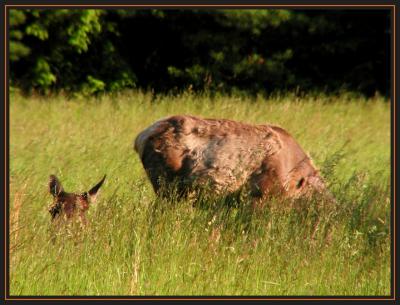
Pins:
x,y
67,205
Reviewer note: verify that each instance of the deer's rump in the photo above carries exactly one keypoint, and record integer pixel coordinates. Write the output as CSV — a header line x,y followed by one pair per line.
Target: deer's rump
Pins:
x,y
220,153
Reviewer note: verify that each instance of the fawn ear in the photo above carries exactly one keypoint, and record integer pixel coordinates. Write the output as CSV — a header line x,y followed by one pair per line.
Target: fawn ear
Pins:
x,y
93,191
55,186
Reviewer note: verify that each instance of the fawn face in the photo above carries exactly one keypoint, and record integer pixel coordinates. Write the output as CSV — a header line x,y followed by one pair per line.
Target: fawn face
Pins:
x,y
68,204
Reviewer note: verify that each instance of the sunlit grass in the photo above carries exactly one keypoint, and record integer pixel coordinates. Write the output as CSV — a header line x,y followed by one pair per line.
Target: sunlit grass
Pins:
x,y
138,245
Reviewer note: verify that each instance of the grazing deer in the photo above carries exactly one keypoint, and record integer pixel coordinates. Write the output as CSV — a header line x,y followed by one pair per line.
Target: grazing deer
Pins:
x,y
227,156
67,205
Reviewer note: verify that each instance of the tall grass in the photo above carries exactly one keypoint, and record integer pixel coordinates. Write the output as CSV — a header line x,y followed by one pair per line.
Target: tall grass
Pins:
x,y
137,244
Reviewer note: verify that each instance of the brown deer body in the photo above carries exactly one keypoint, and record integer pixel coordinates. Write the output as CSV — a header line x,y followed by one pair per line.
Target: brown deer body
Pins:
x,y
67,205
227,156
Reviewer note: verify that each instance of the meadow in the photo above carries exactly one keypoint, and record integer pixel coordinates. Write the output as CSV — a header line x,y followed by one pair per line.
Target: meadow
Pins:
x,y
136,244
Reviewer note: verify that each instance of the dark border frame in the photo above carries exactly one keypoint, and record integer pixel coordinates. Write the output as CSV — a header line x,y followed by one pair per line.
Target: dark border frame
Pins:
x,y
175,4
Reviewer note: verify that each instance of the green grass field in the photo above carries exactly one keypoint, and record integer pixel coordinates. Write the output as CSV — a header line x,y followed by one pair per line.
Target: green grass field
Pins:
x,y
138,245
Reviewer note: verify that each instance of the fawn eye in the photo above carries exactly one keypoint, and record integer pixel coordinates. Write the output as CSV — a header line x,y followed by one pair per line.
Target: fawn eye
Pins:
x,y
300,183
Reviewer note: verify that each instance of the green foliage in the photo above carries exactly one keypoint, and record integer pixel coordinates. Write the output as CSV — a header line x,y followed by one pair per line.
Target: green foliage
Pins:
x,y
17,48
136,244
254,21
37,30
43,77
67,52
92,85
256,51
125,79
82,28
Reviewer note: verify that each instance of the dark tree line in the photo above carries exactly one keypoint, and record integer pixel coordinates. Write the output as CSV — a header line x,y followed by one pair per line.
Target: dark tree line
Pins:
x,y
254,51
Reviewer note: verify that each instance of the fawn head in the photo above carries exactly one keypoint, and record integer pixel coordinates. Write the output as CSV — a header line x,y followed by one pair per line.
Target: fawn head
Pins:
x,y
70,203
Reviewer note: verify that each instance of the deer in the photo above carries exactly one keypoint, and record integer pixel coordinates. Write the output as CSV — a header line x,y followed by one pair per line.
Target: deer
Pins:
x,y
226,156
67,205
